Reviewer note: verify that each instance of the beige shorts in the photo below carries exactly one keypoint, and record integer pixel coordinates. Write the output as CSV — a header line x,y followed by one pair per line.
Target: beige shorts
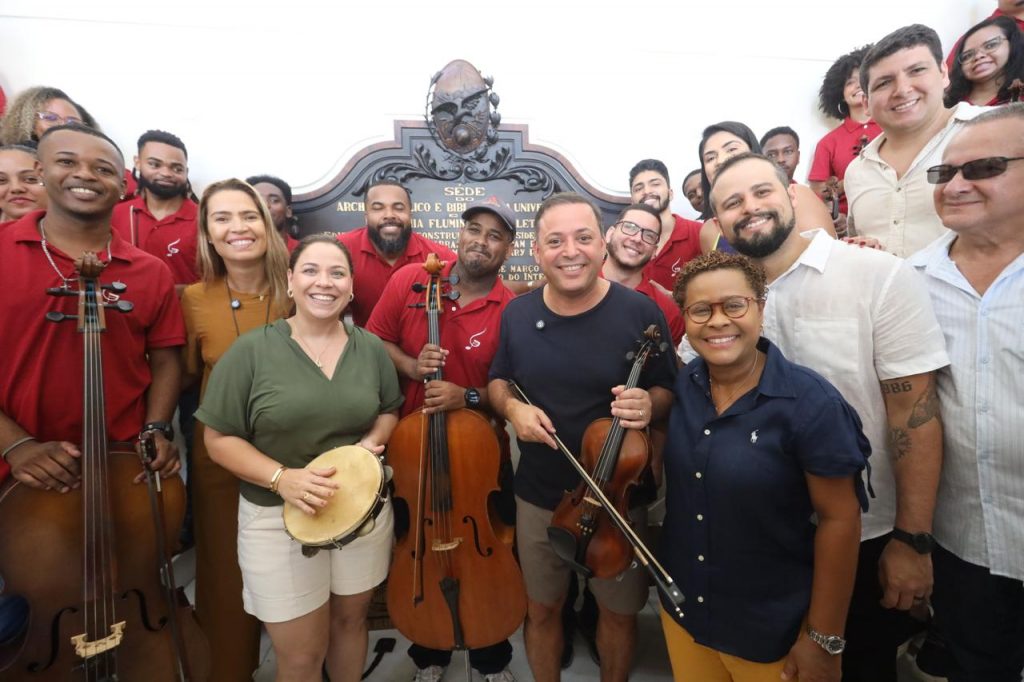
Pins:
x,y
280,584
547,576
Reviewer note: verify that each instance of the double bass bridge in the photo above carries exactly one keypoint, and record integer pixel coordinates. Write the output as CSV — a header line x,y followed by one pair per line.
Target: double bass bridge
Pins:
x,y
445,546
89,648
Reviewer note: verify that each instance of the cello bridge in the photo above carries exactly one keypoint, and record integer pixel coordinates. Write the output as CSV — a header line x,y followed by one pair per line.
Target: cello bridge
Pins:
x,y
88,649
439,546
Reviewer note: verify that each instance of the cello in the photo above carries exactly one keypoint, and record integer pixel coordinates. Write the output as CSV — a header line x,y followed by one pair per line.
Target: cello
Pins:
x,y
103,607
451,563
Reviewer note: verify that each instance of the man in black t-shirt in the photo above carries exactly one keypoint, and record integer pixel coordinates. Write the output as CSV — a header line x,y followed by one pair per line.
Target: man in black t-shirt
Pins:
x,y
566,346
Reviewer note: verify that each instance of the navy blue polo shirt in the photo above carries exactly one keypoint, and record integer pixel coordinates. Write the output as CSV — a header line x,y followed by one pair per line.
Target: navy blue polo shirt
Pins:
x,y
738,536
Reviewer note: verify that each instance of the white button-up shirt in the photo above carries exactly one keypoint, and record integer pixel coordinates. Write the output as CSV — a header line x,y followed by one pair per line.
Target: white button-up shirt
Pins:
x,y
858,317
900,212
979,515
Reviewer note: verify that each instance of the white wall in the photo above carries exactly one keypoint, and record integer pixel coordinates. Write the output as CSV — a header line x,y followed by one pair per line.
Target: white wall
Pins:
x,y
295,87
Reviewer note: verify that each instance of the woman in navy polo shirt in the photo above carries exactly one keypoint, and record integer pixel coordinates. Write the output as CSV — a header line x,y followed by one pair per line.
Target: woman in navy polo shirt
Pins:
x,y
764,495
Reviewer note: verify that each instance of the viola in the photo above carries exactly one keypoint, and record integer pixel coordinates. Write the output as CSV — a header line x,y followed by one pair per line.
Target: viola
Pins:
x,y
89,562
452,562
616,459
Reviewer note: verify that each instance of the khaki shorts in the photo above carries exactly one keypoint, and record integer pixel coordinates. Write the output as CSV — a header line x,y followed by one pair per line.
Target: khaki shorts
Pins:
x,y
280,584
547,576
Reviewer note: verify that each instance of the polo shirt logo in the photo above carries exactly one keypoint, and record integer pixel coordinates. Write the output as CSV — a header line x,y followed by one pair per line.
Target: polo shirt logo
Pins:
x,y
753,436
676,267
474,340
172,247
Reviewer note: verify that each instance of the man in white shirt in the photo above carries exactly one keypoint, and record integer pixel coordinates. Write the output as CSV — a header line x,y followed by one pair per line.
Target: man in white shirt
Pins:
x,y
889,198
975,275
880,348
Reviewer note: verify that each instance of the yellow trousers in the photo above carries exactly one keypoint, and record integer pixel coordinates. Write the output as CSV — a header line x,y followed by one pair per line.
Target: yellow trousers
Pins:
x,y
692,662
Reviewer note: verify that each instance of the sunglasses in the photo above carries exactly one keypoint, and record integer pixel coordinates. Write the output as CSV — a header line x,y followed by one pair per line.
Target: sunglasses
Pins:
x,y
979,169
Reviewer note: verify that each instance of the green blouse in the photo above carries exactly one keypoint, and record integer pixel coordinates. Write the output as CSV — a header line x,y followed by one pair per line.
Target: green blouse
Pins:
x,y
266,390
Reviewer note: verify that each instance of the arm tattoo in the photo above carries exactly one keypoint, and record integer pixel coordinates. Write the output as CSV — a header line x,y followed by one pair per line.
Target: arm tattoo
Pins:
x,y
900,442
926,407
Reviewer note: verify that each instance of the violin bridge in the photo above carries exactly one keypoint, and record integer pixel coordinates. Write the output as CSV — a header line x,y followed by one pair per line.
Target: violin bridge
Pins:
x,y
439,546
89,649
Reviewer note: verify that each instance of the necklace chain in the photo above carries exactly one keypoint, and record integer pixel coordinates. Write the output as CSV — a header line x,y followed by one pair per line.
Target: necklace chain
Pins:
x,y
65,281
309,351
231,304
757,357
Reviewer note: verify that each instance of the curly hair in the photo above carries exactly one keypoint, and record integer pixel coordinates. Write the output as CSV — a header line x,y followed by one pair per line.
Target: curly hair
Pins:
x,y
830,95
19,123
960,88
721,260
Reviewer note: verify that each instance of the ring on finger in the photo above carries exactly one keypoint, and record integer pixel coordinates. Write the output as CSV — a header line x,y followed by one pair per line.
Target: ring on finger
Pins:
x,y
305,496
641,414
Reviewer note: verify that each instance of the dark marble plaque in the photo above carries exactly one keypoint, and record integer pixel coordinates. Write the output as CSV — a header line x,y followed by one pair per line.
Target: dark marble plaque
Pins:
x,y
444,179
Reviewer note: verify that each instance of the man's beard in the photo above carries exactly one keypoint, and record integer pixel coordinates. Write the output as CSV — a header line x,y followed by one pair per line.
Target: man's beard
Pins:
x,y
762,246
613,254
390,246
662,203
163,191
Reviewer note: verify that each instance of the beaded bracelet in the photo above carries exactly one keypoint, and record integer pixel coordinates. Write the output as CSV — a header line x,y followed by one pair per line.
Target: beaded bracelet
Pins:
x,y
276,478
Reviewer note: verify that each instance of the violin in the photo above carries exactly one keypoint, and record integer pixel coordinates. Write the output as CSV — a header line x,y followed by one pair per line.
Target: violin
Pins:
x,y
96,576
616,458
451,563
664,582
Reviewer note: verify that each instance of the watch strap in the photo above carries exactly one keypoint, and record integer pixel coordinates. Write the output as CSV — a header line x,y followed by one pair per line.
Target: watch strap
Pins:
x,y
163,427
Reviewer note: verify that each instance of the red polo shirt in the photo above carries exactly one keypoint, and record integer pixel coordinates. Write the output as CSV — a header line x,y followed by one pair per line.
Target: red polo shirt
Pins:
x,y
674,317
835,151
41,363
956,45
682,246
373,272
469,333
173,239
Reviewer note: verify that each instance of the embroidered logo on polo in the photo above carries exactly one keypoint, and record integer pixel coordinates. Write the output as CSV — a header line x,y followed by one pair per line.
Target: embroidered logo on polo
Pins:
x,y
474,339
753,436
172,248
676,267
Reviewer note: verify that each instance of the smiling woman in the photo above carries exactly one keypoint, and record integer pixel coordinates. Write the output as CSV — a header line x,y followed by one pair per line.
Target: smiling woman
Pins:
x,y
988,60
21,183
243,266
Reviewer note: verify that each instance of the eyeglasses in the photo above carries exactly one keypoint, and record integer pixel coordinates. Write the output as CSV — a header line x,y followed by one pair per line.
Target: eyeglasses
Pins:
x,y
51,117
734,308
630,229
979,169
987,47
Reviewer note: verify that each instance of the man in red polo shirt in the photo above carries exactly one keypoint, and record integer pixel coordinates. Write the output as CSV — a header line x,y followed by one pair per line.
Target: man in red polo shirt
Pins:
x,y
631,242
161,219
680,238
469,329
41,362
277,195
384,245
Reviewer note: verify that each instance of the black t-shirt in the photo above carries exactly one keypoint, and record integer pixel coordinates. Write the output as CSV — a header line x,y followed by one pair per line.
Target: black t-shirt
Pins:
x,y
567,366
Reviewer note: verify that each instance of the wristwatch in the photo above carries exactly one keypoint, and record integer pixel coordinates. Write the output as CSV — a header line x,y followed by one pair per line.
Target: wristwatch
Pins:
x,y
923,543
472,397
163,427
832,644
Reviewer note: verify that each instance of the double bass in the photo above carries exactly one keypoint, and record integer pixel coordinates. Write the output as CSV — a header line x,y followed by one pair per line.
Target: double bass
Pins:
x,y
103,607
450,567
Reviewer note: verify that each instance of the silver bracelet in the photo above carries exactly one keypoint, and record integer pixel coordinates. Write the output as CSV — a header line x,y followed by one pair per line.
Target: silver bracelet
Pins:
x,y
10,448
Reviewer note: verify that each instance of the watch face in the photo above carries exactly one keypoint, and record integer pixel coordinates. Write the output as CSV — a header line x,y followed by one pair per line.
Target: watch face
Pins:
x,y
472,397
834,645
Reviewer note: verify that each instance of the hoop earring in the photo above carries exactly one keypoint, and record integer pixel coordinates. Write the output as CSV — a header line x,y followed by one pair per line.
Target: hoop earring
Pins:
x,y
289,292
351,297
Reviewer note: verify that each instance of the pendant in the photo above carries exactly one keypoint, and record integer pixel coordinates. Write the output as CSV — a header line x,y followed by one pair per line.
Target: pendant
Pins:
x,y
319,364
